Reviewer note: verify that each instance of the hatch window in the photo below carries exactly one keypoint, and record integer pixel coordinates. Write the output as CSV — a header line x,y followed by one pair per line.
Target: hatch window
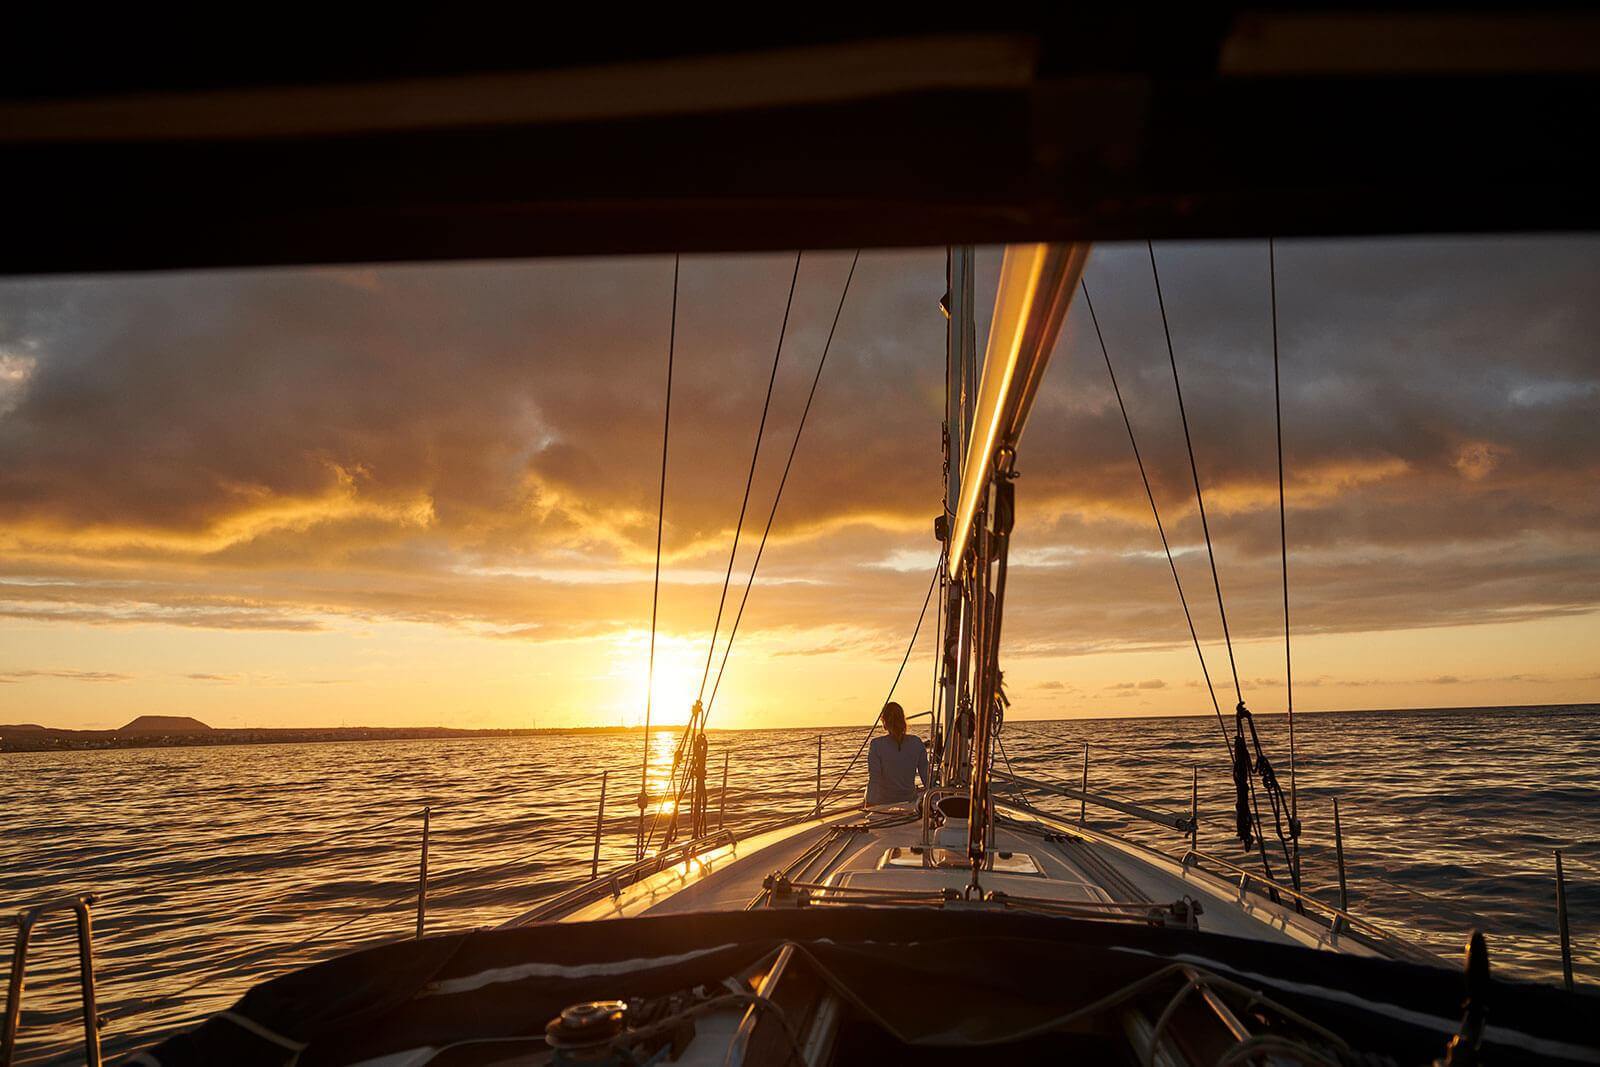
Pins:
x,y
918,856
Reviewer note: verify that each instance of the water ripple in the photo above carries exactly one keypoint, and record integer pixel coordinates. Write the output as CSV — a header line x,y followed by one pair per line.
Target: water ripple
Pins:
x,y
223,866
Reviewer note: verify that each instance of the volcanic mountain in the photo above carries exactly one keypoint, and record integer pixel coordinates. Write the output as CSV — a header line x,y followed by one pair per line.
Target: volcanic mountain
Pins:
x,y
164,724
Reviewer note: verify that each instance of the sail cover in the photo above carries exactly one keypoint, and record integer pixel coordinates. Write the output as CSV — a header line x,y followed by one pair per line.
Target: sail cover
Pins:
x,y
1036,287
477,994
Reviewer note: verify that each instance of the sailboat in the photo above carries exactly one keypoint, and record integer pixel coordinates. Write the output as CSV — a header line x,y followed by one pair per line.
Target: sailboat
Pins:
x,y
971,924
968,923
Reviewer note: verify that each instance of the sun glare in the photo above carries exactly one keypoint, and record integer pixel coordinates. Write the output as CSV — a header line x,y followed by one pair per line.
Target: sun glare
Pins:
x,y
673,688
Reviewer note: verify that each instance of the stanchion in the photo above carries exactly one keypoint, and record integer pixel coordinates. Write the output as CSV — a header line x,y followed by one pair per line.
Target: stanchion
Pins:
x,y
1561,923
1194,810
599,826
819,774
1338,853
1083,802
722,798
422,873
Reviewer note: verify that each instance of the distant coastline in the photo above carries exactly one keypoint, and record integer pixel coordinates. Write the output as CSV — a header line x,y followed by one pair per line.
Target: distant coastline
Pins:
x,y
155,731
167,732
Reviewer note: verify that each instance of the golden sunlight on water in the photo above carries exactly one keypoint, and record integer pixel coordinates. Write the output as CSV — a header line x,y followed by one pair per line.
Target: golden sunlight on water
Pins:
x,y
223,866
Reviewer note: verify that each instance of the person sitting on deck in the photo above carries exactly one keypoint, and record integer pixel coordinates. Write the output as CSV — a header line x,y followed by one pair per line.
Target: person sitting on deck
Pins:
x,y
895,761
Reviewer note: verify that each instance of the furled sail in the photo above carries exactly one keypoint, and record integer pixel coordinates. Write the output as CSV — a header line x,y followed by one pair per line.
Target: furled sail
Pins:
x,y
1036,287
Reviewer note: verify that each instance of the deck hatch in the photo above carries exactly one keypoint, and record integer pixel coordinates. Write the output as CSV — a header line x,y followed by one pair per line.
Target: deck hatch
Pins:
x,y
918,856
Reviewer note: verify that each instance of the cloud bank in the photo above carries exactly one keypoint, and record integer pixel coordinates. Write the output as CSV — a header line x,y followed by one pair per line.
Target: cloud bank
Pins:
x,y
475,447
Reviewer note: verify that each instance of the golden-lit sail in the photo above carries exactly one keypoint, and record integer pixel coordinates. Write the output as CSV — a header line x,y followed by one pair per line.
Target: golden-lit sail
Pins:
x,y
1036,287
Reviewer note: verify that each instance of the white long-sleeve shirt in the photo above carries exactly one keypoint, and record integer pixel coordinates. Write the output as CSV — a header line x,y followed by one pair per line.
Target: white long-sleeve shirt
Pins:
x,y
893,770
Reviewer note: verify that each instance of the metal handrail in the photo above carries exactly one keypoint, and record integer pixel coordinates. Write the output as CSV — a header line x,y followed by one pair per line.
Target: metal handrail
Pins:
x,y
1183,823
1335,916
1338,917
613,882
25,920
27,917
102,895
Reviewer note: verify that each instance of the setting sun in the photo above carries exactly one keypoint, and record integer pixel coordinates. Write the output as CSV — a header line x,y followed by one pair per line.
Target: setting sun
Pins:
x,y
677,679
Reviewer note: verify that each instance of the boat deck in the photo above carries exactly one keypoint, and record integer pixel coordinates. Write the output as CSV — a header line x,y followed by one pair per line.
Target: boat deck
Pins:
x,y
879,856
840,938
888,857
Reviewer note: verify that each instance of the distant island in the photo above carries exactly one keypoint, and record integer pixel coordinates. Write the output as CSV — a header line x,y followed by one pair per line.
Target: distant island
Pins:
x,y
176,731
164,724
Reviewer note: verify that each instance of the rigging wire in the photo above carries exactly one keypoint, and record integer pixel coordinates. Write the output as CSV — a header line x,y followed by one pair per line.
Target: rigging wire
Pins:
x,y
655,590
1155,512
1194,470
912,644
1283,533
1251,812
681,760
949,430
755,454
1004,754
935,731
782,481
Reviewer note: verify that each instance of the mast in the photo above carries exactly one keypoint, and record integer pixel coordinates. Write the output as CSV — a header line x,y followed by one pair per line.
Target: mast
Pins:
x,y
960,363
1037,284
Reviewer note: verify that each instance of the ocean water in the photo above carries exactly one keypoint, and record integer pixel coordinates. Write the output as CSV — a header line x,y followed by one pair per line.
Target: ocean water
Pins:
x,y
223,866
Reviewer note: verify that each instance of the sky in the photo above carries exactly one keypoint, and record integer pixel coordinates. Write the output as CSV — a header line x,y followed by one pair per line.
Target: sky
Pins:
x,y
426,494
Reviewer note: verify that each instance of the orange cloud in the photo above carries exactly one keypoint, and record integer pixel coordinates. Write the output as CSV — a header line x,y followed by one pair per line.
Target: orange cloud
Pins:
x,y
475,449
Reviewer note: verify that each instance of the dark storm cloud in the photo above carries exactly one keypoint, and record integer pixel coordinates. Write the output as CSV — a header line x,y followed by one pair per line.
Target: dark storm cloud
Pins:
x,y
520,403
478,445
1439,408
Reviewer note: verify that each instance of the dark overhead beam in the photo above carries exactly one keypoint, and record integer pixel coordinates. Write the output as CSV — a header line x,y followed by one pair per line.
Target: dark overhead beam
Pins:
x,y
1049,139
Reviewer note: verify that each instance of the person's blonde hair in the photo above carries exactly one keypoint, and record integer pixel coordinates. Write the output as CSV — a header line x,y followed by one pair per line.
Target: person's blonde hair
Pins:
x,y
894,721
